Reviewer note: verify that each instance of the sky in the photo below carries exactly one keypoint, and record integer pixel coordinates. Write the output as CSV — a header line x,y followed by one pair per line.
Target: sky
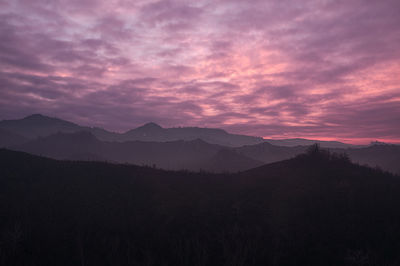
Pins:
x,y
317,69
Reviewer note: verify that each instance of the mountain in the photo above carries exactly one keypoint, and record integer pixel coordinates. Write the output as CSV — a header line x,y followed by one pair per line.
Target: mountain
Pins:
x,y
154,132
269,153
189,148
385,156
8,138
192,155
314,209
37,125
228,160
75,146
308,142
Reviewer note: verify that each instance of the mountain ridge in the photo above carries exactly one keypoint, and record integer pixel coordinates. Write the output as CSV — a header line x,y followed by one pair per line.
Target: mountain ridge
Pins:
x,y
192,155
37,125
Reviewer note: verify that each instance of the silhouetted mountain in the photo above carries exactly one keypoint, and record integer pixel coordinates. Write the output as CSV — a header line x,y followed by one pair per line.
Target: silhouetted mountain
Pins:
x,y
315,209
308,142
191,155
65,146
378,143
154,132
385,156
149,127
103,134
8,138
228,160
269,153
177,152
148,132
38,125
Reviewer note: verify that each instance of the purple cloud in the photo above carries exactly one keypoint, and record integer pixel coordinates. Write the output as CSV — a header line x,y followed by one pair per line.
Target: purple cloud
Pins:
x,y
320,69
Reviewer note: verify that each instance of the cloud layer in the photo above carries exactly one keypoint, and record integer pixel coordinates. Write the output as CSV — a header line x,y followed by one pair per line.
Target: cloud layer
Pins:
x,y
314,69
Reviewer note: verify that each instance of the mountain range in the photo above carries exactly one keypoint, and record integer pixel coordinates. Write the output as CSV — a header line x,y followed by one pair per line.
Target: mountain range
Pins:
x,y
193,149
38,125
192,155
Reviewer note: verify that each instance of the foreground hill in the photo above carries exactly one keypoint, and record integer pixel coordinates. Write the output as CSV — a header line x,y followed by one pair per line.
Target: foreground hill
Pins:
x,y
269,153
315,209
38,125
383,156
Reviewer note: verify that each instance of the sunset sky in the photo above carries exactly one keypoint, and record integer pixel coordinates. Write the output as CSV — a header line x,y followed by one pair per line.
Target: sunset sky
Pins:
x,y
277,69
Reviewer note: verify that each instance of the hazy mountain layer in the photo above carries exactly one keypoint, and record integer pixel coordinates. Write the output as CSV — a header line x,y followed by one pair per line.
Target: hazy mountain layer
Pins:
x,y
8,138
171,148
38,125
307,142
191,155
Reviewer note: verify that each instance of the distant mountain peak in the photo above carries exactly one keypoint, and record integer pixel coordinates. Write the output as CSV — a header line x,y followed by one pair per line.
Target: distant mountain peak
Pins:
x,y
39,125
378,143
150,125
36,117
40,119
198,140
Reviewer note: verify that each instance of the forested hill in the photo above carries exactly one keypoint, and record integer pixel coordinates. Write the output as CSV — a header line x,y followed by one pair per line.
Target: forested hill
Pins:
x,y
315,209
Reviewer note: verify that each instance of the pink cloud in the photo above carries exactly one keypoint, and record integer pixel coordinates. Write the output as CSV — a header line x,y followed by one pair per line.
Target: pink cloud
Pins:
x,y
315,69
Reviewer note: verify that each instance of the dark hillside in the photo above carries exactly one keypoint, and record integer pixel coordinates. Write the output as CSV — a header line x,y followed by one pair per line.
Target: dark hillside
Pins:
x,y
385,156
315,209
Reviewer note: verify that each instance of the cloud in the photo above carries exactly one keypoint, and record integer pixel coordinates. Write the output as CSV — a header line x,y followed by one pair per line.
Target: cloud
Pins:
x,y
327,69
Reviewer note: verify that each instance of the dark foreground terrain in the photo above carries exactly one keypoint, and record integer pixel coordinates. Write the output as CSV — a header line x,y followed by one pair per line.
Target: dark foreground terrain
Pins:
x,y
315,209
